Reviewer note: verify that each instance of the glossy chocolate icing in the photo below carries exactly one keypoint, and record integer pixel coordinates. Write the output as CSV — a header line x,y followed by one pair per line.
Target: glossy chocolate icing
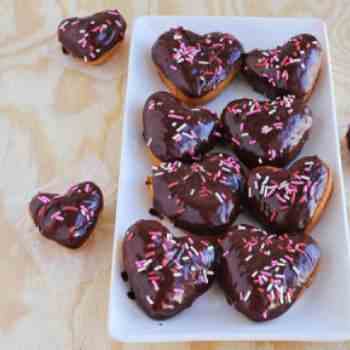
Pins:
x,y
289,69
204,197
68,219
286,200
195,63
173,131
263,274
270,132
166,274
89,38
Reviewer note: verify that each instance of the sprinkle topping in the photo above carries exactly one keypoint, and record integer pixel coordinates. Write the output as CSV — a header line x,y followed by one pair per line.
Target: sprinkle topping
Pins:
x,y
272,269
68,219
287,199
90,37
210,188
196,64
167,268
176,131
281,70
266,132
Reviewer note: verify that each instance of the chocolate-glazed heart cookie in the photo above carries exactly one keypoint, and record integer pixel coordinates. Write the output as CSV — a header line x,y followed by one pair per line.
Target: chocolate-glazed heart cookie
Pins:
x,y
290,200
263,274
68,219
93,38
166,274
270,132
204,197
196,68
173,131
292,68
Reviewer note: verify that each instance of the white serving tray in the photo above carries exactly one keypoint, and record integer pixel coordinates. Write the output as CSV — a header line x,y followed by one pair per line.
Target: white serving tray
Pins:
x,y
323,312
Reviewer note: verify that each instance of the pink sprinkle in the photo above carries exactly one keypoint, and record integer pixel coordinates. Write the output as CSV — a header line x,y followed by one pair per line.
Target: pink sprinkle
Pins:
x,y
96,29
175,116
236,141
273,216
150,254
57,216
285,75
44,199
173,184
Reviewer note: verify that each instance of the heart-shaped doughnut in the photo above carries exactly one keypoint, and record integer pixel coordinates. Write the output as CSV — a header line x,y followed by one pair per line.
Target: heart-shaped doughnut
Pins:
x,y
173,131
92,39
293,199
68,219
292,68
196,68
263,274
166,274
270,132
203,197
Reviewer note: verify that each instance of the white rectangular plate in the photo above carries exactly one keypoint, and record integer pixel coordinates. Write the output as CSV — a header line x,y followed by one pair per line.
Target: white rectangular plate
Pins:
x,y
323,312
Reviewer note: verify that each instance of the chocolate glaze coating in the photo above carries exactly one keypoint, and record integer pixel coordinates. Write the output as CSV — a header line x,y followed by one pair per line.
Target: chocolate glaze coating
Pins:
x,y
203,198
263,274
166,274
89,38
286,200
292,68
68,219
173,131
270,132
195,63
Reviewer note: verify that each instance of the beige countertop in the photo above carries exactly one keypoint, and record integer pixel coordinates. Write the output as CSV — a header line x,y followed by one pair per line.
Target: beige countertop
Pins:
x,y
59,124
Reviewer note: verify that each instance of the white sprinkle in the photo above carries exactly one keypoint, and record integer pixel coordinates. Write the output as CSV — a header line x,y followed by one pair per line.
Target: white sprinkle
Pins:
x,y
217,195
254,273
246,297
296,270
149,142
249,257
149,300
195,251
250,194
180,128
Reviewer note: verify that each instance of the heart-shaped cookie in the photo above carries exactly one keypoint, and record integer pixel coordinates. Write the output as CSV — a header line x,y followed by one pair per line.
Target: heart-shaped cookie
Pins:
x,y
196,67
263,274
293,199
292,68
166,274
68,219
270,132
93,38
204,197
173,131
